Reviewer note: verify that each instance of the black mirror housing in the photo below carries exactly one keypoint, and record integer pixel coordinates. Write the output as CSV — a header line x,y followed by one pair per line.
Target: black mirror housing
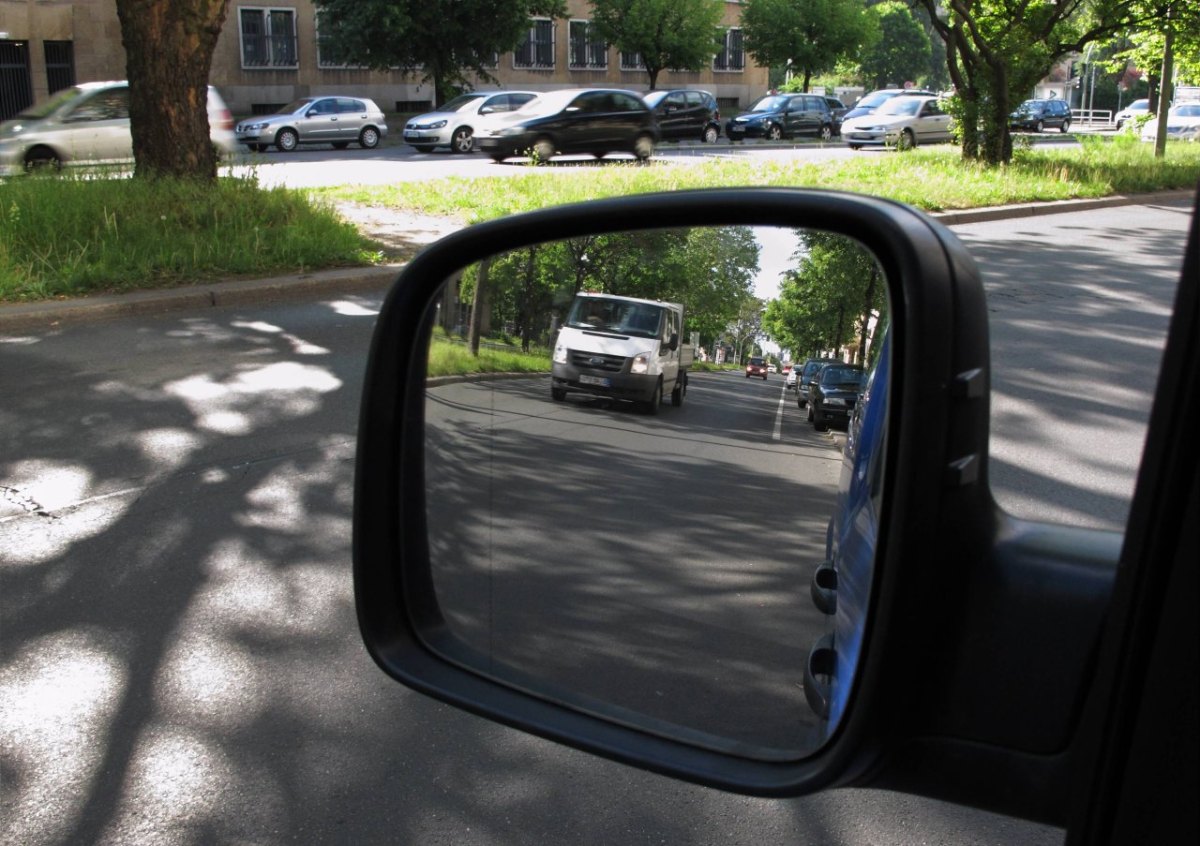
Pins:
x,y
910,722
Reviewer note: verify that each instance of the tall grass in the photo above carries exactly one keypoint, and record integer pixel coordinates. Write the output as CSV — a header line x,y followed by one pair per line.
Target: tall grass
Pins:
x,y
453,358
75,235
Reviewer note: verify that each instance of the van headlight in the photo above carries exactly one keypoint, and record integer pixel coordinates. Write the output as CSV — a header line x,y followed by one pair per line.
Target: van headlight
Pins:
x,y
641,363
560,354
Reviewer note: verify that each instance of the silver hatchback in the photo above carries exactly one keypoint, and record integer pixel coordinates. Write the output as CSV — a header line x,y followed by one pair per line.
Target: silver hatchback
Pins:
x,y
330,119
87,124
454,124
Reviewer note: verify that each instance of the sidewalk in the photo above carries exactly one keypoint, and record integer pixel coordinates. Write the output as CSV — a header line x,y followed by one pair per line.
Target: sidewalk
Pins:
x,y
374,279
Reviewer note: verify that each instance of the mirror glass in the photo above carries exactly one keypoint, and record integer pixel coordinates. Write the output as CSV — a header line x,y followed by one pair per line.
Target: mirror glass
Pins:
x,y
627,500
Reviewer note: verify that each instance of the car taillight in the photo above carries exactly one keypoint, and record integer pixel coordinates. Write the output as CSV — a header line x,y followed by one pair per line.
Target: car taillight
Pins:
x,y
225,119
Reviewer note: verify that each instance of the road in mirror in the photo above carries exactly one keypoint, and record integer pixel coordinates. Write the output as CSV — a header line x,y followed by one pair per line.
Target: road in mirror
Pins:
x,y
622,515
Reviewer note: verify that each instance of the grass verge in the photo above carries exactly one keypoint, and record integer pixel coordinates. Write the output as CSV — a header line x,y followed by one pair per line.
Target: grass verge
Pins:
x,y
930,178
453,358
74,235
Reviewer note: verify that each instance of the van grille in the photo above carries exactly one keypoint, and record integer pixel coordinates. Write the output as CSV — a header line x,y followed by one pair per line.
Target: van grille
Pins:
x,y
597,361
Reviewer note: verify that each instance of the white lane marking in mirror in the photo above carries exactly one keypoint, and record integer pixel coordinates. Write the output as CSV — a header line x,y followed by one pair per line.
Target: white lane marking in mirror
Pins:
x,y
775,436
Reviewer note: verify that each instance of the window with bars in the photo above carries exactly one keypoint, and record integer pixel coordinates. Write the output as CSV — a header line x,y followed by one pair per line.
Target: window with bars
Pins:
x,y
268,37
60,65
632,61
537,50
587,50
732,56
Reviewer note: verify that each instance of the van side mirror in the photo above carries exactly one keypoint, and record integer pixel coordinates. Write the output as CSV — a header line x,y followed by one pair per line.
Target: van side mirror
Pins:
x,y
507,559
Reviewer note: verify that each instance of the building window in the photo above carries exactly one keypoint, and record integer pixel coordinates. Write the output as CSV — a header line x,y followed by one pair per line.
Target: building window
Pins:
x,y
60,65
16,83
268,37
732,57
537,50
587,51
632,62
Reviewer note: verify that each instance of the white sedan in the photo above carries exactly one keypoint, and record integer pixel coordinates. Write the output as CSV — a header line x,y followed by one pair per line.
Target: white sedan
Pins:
x,y
1183,124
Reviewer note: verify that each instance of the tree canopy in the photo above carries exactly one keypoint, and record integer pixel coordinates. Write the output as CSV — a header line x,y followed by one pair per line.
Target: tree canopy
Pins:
x,y
901,51
450,42
810,36
667,34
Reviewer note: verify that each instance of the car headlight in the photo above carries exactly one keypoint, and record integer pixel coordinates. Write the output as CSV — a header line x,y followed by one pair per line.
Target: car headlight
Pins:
x,y
641,363
835,401
253,126
437,124
560,354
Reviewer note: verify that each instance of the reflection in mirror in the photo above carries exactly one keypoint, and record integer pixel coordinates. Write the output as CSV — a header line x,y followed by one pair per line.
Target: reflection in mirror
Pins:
x,y
622,517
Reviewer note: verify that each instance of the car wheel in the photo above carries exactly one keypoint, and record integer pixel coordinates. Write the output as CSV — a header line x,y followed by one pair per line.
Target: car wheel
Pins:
x,y
679,391
855,146
906,141
340,145
258,148
287,140
558,394
800,403
42,159
543,150
368,139
423,148
774,132
810,413
643,148
462,141
652,405
711,134
1066,126
826,132
1039,126
819,422
497,159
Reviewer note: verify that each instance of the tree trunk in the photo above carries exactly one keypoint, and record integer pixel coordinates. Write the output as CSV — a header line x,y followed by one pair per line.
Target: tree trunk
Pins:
x,y
478,304
168,54
1167,92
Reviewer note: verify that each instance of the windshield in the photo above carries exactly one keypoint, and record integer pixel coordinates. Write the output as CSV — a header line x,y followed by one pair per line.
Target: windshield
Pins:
x,y
1139,106
655,97
769,104
1189,110
900,106
47,108
460,102
620,317
547,104
1029,106
873,100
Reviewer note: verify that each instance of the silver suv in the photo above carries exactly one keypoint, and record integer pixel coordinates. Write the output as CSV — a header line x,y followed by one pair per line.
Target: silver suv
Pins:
x,y
87,124
331,119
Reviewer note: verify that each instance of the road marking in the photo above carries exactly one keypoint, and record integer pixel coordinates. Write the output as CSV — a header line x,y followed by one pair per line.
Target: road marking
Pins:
x,y
775,436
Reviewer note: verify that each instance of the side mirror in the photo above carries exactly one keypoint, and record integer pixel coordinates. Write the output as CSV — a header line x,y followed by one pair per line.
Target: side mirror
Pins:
x,y
535,548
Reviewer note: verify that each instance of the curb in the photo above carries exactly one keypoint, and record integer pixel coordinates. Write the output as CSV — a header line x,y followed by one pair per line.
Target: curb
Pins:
x,y
351,280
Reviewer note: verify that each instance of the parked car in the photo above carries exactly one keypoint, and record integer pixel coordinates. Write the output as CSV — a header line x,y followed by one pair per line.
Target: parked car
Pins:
x,y
1183,124
901,122
685,113
331,119
756,366
594,121
790,375
88,124
833,395
1135,109
868,103
838,109
808,372
777,116
453,124
1038,115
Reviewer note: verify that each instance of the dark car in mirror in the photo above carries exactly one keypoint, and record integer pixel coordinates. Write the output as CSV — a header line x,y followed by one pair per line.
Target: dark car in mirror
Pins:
x,y
832,395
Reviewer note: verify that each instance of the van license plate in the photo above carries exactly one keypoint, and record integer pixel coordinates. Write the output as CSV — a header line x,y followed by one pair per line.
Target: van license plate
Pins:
x,y
584,379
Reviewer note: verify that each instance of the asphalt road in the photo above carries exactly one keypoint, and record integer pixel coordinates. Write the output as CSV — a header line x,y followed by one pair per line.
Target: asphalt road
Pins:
x,y
180,660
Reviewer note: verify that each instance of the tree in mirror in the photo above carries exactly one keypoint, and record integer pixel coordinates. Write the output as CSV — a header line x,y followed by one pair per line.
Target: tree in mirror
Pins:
x,y
650,567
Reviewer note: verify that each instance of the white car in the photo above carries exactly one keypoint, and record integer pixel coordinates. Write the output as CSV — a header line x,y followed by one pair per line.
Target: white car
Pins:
x,y
1183,124
1135,109
901,122
88,124
454,124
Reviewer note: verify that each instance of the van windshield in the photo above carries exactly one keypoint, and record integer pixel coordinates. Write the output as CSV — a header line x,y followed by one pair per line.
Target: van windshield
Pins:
x,y
618,317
